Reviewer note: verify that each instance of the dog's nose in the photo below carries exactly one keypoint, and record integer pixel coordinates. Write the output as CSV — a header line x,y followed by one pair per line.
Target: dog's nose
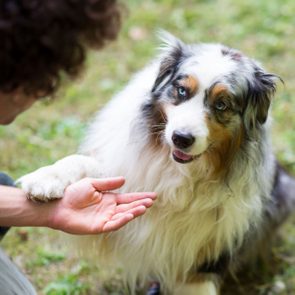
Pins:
x,y
182,140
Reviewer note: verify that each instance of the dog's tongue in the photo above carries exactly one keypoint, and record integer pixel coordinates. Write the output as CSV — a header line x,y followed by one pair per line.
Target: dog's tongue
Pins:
x,y
182,155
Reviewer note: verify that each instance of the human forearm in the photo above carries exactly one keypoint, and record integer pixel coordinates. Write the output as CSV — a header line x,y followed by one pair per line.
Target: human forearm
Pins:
x,y
17,210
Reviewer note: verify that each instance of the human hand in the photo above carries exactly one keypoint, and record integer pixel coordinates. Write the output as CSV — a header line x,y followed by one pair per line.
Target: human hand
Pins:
x,y
88,206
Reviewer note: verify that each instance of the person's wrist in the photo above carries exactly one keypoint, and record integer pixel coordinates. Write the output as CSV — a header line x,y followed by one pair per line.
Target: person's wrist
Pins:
x,y
47,213
37,213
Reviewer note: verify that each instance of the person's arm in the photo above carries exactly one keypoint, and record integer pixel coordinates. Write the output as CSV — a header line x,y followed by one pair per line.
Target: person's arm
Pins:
x,y
86,208
17,210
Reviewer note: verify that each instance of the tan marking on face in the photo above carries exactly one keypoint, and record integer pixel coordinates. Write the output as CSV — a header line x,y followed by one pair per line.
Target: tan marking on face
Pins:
x,y
190,83
219,90
220,93
224,144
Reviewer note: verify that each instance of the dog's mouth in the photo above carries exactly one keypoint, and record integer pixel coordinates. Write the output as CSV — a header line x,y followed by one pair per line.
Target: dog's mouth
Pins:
x,y
182,157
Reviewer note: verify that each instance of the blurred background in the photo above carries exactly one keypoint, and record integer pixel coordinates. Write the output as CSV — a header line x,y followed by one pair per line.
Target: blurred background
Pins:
x,y
262,29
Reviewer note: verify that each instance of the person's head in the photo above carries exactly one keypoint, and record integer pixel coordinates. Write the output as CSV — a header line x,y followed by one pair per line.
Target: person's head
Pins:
x,y
42,40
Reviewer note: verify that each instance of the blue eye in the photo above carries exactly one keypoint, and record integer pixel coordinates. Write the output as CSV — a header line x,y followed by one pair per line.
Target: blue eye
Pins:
x,y
182,93
220,106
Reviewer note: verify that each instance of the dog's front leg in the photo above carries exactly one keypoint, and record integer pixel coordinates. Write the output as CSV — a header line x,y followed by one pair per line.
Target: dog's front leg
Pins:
x,y
49,182
197,288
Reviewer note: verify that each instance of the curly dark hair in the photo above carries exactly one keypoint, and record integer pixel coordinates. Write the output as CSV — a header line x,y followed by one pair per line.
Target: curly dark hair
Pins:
x,y
41,40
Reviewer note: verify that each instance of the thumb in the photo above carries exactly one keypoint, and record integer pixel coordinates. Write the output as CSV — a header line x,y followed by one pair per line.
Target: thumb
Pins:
x,y
106,184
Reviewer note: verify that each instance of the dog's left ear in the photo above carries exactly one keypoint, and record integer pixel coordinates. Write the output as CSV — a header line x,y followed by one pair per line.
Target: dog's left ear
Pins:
x,y
261,89
173,51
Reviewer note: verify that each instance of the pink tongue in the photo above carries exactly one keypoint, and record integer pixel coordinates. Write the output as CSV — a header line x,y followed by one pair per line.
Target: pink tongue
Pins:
x,y
182,155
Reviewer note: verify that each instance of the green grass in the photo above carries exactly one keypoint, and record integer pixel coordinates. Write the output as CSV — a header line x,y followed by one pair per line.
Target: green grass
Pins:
x,y
262,29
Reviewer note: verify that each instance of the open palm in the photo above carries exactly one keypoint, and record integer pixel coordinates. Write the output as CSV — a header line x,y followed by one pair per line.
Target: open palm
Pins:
x,y
88,206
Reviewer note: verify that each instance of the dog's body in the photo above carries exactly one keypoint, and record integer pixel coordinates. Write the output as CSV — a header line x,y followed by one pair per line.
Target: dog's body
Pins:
x,y
193,127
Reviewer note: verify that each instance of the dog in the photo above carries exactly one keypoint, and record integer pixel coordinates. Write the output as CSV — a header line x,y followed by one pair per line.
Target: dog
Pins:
x,y
192,126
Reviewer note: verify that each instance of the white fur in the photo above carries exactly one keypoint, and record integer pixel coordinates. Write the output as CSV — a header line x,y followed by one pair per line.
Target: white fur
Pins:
x,y
194,220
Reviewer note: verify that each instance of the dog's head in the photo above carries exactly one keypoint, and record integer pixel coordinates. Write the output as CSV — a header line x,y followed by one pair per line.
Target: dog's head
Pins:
x,y
207,100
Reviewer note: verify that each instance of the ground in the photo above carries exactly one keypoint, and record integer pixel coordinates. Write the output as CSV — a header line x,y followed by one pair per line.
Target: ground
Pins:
x,y
262,29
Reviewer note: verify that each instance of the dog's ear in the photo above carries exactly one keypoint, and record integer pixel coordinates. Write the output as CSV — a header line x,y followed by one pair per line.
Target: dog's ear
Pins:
x,y
261,88
173,51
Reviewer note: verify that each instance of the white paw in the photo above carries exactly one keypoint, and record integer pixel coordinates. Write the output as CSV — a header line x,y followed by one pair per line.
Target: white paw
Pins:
x,y
43,184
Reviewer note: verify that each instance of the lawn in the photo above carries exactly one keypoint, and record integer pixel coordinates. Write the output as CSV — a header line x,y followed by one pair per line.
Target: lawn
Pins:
x,y
262,29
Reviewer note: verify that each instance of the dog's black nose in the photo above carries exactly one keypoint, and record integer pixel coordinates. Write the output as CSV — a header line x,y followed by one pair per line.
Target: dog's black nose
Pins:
x,y
182,140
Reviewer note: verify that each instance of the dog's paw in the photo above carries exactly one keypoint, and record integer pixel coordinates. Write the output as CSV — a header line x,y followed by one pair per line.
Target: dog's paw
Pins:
x,y
43,185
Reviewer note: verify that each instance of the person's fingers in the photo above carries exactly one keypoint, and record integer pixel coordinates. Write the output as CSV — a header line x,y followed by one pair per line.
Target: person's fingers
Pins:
x,y
121,219
136,211
125,207
117,223
106,184
131,197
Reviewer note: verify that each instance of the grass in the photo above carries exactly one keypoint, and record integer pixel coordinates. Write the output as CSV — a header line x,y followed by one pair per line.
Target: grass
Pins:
x,y
262,29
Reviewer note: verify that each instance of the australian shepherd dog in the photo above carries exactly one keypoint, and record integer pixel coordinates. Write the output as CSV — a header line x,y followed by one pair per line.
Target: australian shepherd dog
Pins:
x,y
192,126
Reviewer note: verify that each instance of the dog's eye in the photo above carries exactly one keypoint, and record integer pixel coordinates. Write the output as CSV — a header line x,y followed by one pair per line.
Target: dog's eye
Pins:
x,y
220,105
182,93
